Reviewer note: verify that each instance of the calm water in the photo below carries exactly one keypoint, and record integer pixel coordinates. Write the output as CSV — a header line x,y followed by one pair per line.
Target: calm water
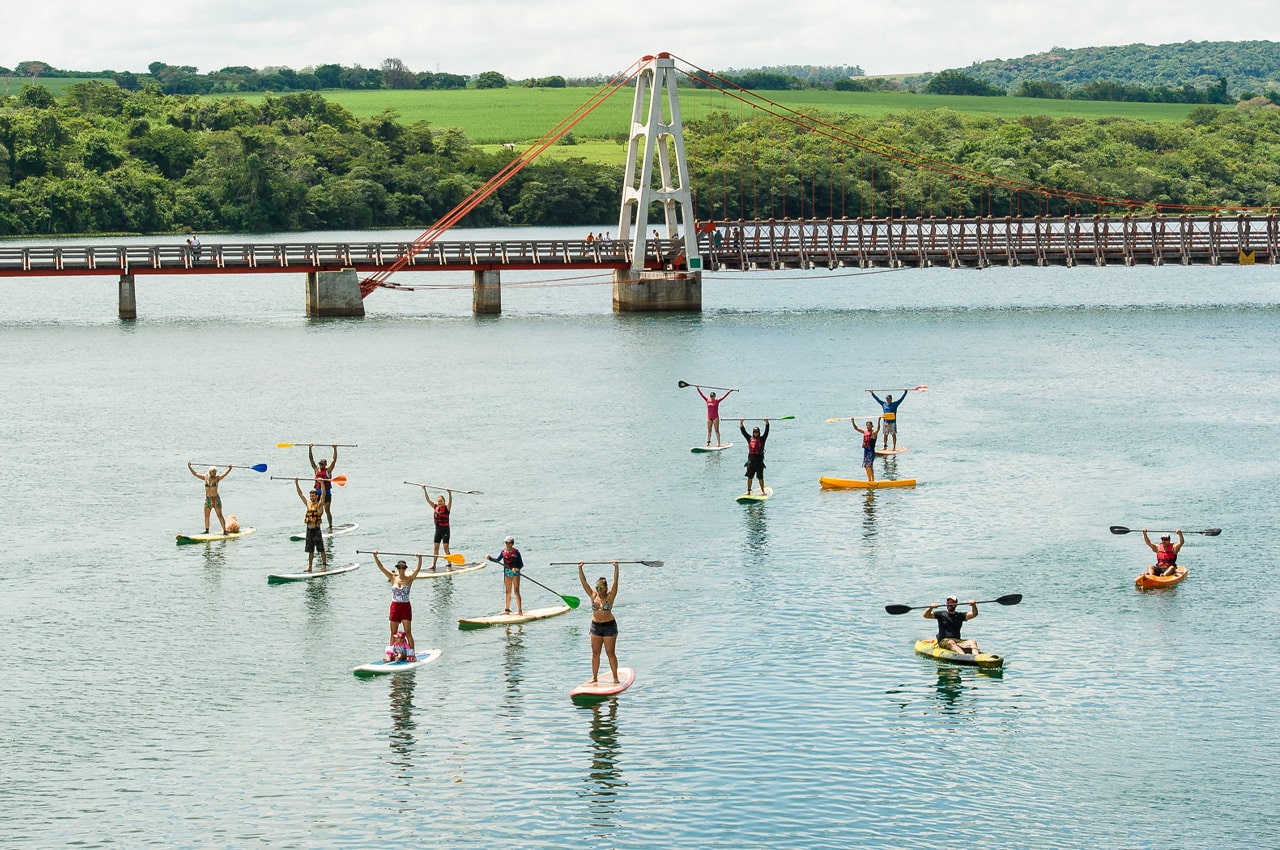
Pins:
x,y
163,696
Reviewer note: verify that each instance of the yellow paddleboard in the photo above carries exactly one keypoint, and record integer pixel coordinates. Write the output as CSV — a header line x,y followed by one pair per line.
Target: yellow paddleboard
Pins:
x,y
857,484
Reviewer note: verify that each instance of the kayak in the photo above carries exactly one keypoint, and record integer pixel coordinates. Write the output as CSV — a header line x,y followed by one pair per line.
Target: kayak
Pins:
x,y
983,659
749,498
338,530
427,572
280,578
1147,580
719,448
379,668
862,484
891,452
603,688
512,619
209,538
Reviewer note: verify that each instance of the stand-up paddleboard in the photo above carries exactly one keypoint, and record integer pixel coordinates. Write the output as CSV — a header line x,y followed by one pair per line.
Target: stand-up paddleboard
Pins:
x,y
209,538
1148,580
748,498
982,659
427,572
891,452
603,687
380,668
338,530
512,619
862,484
719,448
279,578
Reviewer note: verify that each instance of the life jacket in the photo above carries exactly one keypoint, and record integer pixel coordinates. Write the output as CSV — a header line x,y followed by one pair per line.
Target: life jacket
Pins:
x,y
442,515
1165,556
755,446
868,439
322,480
313,514
510,559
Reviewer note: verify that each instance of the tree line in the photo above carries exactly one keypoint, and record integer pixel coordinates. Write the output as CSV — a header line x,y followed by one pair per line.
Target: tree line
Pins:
x,y
959,83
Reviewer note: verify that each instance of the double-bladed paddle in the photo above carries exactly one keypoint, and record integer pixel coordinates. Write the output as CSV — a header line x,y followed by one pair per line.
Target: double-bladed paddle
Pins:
x,y
683,384
454,558
446,489
330,445
257,467
575,563
1008,599
1208,532
340,480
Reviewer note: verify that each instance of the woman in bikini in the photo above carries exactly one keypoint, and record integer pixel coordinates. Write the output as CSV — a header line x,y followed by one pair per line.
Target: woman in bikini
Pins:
x,y
212,501
401,614
604,628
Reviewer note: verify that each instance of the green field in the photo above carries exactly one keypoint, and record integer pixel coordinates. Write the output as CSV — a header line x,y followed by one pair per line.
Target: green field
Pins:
x,y
53,84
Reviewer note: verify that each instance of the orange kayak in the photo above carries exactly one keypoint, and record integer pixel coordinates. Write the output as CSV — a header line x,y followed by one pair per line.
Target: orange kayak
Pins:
x,y
1148,580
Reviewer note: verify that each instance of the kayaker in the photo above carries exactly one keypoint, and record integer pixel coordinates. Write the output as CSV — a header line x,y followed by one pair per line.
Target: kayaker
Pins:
x,y
401,613
713,413
315,513
440,511
1166,553
889,419
212,501
755,452
324,479
949,623
868,448
512,564
604,628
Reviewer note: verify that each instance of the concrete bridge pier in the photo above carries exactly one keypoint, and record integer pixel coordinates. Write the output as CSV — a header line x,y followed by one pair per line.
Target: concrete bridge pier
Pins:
x,y
128,298
334,294
486,292
657,292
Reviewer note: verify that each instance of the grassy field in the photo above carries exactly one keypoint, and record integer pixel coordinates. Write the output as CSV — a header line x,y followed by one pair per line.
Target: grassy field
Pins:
x,y
53,84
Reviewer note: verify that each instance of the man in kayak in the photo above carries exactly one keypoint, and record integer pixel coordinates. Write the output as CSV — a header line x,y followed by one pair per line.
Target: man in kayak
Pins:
x,y
1166,553
324,479
889,419
755,452
949,623
868,448
713,413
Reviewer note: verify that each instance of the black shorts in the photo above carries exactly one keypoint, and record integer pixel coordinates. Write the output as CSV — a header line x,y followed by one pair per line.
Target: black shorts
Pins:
x,y
315,540
755,466
442,534
327,498
609,629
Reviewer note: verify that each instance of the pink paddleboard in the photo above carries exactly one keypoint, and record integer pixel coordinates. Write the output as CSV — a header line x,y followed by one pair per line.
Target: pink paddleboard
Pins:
x,y
604,687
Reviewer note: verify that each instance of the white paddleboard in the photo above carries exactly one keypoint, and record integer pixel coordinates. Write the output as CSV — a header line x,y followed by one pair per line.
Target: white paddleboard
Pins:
x,y
278,578
603,687
209,538
512,619
891,452
451,570
338,530
379,668
719,448
755,496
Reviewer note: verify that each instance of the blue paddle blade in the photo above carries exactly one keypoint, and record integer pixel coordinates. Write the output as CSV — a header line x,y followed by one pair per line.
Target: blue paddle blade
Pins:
x,y
259,467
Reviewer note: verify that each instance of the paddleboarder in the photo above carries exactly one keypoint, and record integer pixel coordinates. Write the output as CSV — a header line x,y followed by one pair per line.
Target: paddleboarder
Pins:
x,y
512,564
313,517
868,448
755,452
604,628
440,511
212,501
1166,553
713,413
324,479
401,614
949,623
889,419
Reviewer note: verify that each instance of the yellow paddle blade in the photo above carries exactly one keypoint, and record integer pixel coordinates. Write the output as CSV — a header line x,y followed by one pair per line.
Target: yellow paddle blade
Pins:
x,y
285,445
455,559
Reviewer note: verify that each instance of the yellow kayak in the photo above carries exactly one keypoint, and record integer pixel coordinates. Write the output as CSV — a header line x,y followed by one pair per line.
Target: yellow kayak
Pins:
x,y
983,659
862,484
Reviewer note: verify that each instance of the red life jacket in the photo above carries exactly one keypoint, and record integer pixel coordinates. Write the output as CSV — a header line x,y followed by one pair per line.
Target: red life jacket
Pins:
x,y
322,480
442,515
868,440
510,559
1165,556
755,446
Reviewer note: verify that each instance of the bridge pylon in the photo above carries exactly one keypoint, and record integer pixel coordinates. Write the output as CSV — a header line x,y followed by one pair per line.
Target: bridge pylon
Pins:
x,y
658,173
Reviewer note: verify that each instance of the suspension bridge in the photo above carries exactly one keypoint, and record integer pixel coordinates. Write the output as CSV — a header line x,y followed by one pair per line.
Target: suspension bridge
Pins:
x,y
662,269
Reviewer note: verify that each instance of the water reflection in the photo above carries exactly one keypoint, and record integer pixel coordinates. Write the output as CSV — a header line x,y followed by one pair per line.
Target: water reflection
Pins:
x,y
604,782
957,682
869,517
756,543
317,597
215,558
401,738
513,657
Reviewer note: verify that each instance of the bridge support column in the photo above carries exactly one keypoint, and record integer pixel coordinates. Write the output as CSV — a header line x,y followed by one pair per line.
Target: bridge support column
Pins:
x,y
334,294
657,292
486,292
128,298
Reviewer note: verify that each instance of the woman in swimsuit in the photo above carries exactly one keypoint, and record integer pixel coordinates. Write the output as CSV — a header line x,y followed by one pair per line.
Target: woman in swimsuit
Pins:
x,y
868,448
440,511
212,501
512,564
713,413
604,628
401,614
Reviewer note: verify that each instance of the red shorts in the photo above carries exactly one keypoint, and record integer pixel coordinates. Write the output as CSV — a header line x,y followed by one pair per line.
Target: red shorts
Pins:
x,y
401,611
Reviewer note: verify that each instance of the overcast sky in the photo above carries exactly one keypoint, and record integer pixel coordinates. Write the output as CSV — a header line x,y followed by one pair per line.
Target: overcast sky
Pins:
x,y
579,38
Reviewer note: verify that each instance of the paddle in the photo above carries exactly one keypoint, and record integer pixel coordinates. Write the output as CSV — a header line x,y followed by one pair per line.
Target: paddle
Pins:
x,y
571,601
454,558
322,445
847,418
920,389
340,480
683,384
762,419
446,489
1208,532
1010,599
575,563
257,467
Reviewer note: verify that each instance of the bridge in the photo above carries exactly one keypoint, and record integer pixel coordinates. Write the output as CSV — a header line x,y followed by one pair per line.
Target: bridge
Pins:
x,y
663,271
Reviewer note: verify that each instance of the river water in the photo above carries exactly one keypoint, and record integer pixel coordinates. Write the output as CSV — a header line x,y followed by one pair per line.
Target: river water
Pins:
x,y
157,695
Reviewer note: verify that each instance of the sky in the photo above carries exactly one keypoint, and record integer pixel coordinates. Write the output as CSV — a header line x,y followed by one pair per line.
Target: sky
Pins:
x,y
535,38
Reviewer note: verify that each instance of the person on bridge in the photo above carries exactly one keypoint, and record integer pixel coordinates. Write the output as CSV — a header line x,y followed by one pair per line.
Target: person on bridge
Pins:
x,y
440,511
212,501
713,413
889,421
324,479
869,435
755,453
1166,553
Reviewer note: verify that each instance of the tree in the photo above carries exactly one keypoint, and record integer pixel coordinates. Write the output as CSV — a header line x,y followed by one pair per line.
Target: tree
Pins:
x,y
954,82
1041,88
397,76
490,80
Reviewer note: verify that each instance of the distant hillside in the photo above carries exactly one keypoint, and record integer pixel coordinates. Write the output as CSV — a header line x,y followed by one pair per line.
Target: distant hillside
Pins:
x,y
1248,66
